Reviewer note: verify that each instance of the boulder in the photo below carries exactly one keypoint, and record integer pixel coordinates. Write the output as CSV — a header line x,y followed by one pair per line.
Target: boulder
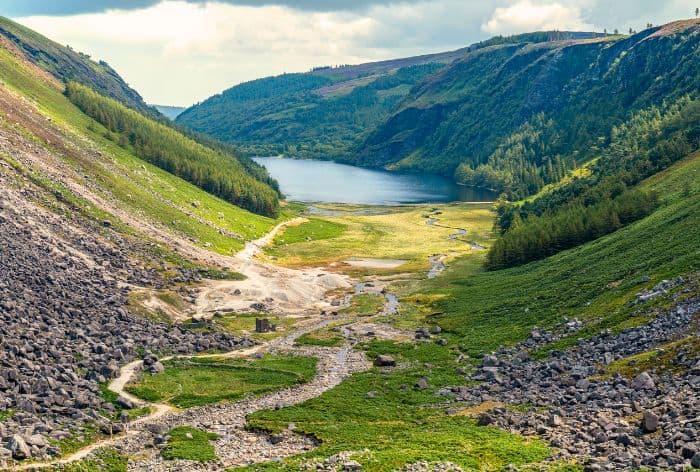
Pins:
x,y
18,446
384,360
650,422
643,382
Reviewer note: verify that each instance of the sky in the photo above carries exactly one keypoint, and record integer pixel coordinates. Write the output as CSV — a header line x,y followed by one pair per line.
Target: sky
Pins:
x,y
179,52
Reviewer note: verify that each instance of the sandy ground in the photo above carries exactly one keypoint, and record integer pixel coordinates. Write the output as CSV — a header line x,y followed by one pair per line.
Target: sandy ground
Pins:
x,y
268,287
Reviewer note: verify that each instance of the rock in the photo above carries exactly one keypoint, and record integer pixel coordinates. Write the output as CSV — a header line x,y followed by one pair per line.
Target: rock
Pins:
x,y
36,440
490,360
19,448
650,422
384,360
485,419
695,461
124,403
156,368
643,382
371,394
422,384
351,466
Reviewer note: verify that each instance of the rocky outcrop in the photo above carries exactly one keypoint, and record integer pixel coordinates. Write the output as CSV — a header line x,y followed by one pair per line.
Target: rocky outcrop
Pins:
x,y
65,328
610,422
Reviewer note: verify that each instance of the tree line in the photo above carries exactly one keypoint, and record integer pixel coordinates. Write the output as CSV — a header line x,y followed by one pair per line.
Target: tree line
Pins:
x,y
212,170
587,207
543,236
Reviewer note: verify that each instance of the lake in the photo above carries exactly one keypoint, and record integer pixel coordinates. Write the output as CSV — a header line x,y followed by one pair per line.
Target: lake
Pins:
x,y
330,182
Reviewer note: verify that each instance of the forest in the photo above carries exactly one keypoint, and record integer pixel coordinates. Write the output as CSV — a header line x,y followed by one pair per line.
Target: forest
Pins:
x,y
213,170
585,208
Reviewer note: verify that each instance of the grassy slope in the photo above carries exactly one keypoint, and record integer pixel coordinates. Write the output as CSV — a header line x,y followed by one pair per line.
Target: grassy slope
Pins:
x,y
140,188
594,281
66,64
400,425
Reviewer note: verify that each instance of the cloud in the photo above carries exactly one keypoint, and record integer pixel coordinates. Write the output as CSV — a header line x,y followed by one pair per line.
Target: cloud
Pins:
x,y
180,51
74,7
525,16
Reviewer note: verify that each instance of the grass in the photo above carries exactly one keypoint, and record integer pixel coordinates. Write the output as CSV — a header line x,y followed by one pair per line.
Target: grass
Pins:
x,y
201,381
399,425
657,360
139,188
6,415
366,304
384,233
595,281
312,230
326,337
102,460
244,324
190,444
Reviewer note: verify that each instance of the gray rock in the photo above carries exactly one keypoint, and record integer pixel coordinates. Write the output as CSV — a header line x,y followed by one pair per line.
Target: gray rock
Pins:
x,y
695,461
643,382
18,446
384,360
650,422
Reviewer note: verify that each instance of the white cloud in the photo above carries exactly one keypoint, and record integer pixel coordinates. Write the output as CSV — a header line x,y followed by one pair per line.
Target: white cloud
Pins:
x,y
525,16
177,52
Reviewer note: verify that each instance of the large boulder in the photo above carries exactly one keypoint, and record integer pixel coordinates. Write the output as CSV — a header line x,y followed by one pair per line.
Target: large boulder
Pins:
x,y
643,382
18,446
384,360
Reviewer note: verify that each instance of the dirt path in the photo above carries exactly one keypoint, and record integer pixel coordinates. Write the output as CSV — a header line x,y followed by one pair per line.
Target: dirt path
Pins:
x,y
268,287
296,291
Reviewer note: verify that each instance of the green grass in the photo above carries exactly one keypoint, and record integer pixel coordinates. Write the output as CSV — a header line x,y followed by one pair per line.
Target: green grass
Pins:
x,y
312,230
398,233
366,304
399,425
322,337
201,381
191,444
594,281
6,414
140,188
657,360
103,460
244,324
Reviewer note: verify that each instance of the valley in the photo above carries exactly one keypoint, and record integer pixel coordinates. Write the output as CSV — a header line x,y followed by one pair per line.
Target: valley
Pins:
x,y
164,307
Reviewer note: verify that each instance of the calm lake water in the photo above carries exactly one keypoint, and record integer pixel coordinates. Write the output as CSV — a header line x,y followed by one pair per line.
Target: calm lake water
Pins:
x,y
330,182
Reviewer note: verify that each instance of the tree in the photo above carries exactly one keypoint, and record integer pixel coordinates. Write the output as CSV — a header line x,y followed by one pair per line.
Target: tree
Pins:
x,y
617,31
697,12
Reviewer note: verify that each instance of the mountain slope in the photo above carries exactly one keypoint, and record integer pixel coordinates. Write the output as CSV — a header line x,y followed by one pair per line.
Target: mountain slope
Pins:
x,y
67,64
327,111
519,110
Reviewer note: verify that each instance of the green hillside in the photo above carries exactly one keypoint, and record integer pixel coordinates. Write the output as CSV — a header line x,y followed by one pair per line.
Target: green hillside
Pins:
x,y
327,112
124,185
516,117
66,64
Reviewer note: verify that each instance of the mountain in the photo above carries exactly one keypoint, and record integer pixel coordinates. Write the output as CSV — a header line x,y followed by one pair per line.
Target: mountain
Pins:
x,y
169,111
66,64
328,111
513,114
516,117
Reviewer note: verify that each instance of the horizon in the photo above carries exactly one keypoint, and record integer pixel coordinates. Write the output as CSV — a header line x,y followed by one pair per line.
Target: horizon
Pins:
x,y
181,52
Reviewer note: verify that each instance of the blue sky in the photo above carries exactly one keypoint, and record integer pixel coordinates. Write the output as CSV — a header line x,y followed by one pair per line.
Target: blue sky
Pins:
x,y
181,51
